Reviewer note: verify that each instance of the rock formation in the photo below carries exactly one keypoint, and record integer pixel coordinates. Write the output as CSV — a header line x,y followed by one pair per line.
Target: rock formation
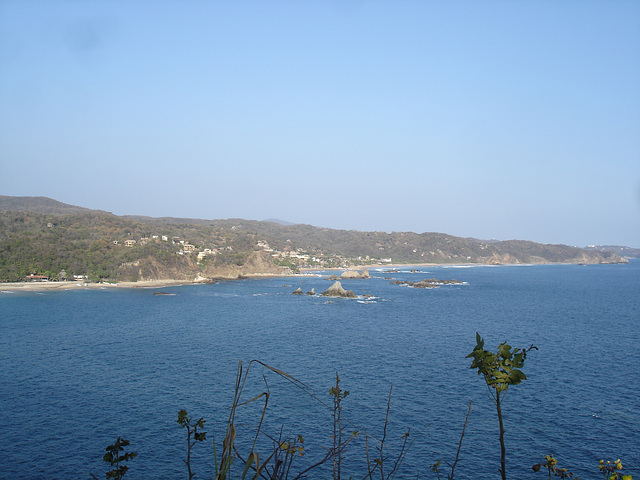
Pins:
x,y
354,274
336,290
258,263
427,283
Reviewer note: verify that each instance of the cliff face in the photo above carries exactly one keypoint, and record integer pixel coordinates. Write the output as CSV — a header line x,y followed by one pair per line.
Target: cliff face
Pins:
x,y
258,263
591,257
187,270
150,268
520,251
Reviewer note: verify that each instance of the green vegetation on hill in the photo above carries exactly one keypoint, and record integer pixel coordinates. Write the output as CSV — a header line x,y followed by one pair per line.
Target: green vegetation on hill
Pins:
x,y
60,246
84,245
45,237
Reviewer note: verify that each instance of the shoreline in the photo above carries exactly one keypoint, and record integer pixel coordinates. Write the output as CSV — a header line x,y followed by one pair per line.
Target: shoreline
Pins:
x,y
304,272
379,265
55,286
59,286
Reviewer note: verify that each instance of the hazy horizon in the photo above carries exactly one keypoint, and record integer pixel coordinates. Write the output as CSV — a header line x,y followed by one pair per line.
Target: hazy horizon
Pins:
x,y
490,119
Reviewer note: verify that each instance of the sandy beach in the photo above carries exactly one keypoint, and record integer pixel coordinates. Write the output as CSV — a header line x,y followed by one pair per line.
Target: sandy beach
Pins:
x,y
52,286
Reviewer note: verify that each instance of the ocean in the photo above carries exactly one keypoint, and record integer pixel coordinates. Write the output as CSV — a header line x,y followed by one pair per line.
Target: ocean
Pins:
x,y
82,367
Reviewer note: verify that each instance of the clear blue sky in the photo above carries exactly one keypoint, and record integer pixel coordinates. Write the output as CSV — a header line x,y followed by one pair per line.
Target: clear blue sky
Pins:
x,y
491,119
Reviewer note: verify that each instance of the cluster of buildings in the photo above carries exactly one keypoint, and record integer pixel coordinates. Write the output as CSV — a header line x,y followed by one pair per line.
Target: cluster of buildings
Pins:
x,y
186,248
292,256
62,276
302,259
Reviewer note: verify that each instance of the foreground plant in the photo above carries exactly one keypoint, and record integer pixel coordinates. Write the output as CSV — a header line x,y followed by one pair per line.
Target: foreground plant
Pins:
x,y
277,463
192,429
272,465
289,451
551,464
500,371
338,395
437,467
115,457
611,470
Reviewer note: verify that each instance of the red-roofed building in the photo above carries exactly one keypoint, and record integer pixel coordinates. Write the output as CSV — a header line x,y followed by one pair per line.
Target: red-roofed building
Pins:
x,y
37,278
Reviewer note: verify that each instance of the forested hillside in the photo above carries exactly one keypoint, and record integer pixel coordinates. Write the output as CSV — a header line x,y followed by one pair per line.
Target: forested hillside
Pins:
x,y
45,237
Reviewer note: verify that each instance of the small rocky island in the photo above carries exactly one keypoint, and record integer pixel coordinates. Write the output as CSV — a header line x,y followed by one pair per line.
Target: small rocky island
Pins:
x,y
351,275
298,291
337,290
427,283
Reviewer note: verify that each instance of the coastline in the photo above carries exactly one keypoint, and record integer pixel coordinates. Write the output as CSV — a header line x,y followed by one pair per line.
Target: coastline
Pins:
x,y
378,265
304,272
54,286
58,286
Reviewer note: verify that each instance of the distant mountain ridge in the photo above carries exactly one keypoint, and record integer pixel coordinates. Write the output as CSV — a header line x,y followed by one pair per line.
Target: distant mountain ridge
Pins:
x,y
281,222
623,251
39,235
40,205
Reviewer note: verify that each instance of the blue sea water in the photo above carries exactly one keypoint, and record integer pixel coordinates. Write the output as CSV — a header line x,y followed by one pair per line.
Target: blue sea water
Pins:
x,y
79,368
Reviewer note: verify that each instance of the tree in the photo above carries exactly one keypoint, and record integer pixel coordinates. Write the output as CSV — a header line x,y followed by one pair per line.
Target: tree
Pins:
x,y
500,370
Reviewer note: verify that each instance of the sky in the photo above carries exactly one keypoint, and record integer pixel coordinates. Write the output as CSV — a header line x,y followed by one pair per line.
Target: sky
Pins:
x,y
487,118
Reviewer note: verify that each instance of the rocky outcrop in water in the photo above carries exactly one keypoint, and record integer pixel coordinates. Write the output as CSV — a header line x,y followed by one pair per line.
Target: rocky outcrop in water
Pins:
x,y
427,283
337,290
354,275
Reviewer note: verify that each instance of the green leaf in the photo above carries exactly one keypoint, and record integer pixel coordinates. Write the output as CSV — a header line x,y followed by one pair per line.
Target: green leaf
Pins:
x,y
253,456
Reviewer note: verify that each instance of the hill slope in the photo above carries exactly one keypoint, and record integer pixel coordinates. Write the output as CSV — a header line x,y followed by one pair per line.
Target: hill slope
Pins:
x,y
40,205
617,249
42,236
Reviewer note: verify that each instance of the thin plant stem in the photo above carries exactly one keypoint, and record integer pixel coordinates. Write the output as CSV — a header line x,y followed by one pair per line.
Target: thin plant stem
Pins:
x,y
464,427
